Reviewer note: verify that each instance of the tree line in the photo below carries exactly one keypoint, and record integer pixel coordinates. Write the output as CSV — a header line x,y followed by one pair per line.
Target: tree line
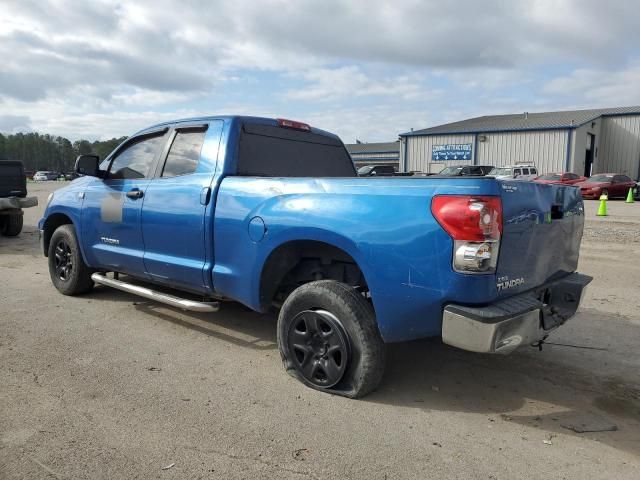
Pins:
x,y
48,152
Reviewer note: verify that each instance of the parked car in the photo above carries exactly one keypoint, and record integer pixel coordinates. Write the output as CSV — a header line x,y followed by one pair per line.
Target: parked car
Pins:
x,y
13,197
271,214
566,178
610,184
45,175
519,172
373,170
464,170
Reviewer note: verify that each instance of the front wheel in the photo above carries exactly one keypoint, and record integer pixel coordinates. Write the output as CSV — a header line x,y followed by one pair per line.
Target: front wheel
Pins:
x,y
329,339
69,274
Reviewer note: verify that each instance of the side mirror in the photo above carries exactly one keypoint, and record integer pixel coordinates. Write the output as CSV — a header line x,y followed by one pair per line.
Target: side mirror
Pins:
x,y
88,165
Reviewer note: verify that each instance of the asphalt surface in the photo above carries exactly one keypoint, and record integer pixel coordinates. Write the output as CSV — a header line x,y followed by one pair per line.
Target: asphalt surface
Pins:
x,y
108,385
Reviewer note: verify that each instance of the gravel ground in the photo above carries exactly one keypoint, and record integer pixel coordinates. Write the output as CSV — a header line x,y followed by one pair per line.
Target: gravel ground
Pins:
x,y
110,386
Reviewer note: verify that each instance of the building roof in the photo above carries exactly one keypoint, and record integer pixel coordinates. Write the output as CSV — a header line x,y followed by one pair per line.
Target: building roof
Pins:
x,y
525,121
363,148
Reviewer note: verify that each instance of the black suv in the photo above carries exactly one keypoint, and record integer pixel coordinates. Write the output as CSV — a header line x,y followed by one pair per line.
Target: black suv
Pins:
x,y
13,197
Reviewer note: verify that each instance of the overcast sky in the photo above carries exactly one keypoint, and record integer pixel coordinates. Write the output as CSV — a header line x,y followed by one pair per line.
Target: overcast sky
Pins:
x,y
363,69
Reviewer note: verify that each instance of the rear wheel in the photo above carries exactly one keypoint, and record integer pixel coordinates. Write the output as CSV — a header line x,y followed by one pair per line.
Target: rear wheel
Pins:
x,y
11,225
329,339
69,274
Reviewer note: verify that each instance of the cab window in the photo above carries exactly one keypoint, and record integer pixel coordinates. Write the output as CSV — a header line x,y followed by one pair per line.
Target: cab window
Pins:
x,y
136,159
517,171
184,154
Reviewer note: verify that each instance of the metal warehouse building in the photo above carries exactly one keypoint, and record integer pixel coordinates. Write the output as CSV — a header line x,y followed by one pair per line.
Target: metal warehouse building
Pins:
x,y
581,141
375,154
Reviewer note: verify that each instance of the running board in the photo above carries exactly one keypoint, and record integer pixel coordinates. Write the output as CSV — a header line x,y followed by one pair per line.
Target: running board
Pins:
x,y
165,298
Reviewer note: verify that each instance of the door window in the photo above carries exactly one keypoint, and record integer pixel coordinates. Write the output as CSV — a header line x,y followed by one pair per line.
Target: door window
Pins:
x,y
533,171
136,160
517,172
184,154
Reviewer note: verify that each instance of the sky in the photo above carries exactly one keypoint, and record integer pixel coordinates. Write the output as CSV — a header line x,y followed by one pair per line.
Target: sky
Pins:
x,y
366,70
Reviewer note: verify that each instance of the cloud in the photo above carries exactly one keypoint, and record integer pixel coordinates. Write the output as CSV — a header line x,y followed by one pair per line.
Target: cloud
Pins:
x,y
599,88
344,82
70,64
14,123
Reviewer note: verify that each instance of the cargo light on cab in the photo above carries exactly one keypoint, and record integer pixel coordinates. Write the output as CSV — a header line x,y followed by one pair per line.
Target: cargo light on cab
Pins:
x,y
475,225
283,122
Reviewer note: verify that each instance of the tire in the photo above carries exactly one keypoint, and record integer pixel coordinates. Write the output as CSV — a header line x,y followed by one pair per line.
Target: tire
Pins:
x,y
69,274
11,225
329,340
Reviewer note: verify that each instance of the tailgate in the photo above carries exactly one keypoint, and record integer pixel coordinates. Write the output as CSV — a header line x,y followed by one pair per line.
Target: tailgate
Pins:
x,y
542,230
12,180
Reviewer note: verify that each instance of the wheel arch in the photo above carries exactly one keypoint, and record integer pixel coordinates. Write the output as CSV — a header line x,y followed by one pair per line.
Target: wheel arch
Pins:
x,y
300,261
50,225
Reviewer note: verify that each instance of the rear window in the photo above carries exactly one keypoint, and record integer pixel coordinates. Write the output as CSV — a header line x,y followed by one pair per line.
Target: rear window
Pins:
x,y
10,170
600,178
269,151
450,171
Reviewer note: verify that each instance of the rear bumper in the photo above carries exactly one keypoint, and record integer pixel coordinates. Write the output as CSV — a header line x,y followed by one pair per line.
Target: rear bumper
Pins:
x,y
519,320
16,203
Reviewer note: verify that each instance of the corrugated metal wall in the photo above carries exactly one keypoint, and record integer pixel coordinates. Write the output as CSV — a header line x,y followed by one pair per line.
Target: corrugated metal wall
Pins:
x,y
546,149
419,152
619,150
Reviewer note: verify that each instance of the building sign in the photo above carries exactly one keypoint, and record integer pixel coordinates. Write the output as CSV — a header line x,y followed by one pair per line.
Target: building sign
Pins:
x,y
451,151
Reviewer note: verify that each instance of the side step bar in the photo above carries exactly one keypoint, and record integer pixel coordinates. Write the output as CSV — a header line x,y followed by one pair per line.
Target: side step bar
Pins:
x,y
165,298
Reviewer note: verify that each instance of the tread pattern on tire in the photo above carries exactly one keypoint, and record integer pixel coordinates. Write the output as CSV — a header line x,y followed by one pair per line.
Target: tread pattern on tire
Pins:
x,y
80,281
360,324
12,225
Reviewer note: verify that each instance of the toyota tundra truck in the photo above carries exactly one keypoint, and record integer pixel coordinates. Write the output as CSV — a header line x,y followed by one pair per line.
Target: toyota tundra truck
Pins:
x,y
272,214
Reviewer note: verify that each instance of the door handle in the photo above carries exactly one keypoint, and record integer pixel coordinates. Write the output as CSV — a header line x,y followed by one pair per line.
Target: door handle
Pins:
x,y
135,193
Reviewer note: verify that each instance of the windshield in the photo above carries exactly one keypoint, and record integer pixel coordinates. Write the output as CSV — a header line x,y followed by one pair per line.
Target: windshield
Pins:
x,y
600,178
500,171
450,171
550,176
365,170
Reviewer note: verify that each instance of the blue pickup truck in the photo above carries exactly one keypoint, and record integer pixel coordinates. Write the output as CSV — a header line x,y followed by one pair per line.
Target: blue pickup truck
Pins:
x,y
271,213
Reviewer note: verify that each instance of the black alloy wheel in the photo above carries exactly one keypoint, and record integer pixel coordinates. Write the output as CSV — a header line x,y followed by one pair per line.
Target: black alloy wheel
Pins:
x,y
320,347
63,260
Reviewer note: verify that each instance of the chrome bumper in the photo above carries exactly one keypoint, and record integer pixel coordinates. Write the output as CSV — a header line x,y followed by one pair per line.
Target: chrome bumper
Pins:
x,y
520,320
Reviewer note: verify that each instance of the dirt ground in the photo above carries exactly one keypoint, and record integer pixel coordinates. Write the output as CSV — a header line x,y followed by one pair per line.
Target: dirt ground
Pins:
x,y
108,385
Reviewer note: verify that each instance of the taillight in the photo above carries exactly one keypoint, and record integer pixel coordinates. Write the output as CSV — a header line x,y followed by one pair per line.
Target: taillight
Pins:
x,y
283,122
475,225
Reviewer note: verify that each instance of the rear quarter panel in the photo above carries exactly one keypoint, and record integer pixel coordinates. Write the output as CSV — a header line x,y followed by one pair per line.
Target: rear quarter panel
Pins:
x,y
385,224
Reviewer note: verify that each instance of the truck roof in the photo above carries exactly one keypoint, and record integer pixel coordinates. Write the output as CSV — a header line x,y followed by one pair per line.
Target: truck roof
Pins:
x,y
234,118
